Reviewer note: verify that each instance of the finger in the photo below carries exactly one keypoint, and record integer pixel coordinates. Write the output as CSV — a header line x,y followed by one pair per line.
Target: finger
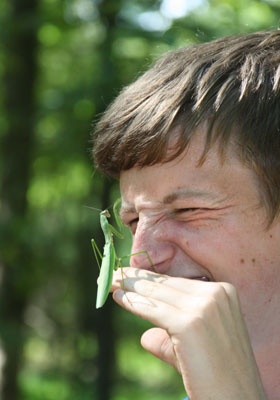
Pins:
x,y
158,313
153,285
183,284
187,300
157,342
135,273
157,291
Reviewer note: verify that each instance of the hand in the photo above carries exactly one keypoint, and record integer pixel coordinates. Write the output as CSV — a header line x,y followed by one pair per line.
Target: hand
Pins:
x,y
200,331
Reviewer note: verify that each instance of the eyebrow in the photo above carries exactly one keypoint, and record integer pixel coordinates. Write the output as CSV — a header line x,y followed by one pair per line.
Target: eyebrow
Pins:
x,y
186,193
181,193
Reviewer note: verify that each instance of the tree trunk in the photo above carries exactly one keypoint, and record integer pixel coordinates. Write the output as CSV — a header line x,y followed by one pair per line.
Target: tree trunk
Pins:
x,y
20,47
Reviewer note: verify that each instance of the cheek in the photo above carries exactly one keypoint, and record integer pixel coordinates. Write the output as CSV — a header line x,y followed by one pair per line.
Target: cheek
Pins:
x,y
228,252
216,249
234,257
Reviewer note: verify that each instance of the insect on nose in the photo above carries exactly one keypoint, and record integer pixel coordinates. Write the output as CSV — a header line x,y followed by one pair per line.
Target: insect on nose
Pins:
x,y
142,248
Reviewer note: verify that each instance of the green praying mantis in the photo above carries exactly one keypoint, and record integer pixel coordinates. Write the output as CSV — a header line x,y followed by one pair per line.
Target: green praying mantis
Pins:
x,y
109,259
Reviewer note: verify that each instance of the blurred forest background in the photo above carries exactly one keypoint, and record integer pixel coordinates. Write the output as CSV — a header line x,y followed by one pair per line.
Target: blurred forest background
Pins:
x,y
61,63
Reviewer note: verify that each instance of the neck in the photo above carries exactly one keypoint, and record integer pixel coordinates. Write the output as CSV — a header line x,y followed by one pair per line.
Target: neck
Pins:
x,y
268,362
267,354
263,326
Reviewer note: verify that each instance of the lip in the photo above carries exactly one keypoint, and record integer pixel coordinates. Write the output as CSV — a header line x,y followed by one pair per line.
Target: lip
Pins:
x,y
163,267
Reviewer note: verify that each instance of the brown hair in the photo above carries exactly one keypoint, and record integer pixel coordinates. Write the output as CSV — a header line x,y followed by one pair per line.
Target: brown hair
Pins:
x,y
232,84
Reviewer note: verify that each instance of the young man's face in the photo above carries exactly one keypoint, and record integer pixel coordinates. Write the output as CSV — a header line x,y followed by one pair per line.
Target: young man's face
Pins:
x,y
206,221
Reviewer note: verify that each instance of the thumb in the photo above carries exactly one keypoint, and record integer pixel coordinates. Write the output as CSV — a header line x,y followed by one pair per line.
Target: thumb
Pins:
x,y
158,343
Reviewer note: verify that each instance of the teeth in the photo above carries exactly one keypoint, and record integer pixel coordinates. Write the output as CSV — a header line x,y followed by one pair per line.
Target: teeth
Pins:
x,y
202,278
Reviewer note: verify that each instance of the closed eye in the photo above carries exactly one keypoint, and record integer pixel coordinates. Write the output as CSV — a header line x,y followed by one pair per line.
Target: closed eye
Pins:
x,y
191,212
185,210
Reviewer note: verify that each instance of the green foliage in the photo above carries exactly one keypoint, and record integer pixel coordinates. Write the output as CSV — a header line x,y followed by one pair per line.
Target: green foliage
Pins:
x,y
86,51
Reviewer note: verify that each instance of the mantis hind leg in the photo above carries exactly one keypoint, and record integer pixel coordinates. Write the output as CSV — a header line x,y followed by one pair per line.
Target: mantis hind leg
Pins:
x,y
97,252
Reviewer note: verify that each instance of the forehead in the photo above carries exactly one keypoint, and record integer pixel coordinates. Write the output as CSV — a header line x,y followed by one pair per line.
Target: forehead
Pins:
x,y
163,182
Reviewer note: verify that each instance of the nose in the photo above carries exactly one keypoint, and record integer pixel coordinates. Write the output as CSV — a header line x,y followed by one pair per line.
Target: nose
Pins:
x,y
150,247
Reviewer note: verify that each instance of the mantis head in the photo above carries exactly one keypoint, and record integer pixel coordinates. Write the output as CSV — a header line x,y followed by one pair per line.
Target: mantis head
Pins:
x,y
105,213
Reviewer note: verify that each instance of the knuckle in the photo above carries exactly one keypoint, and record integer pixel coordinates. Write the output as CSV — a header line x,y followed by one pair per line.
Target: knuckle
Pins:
x,y
218,291
230,289
211,308
224,291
